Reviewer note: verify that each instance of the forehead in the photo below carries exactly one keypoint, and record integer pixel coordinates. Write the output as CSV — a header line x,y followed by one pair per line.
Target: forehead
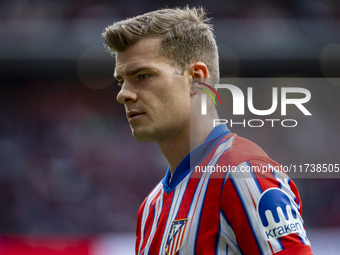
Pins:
x,y
141,54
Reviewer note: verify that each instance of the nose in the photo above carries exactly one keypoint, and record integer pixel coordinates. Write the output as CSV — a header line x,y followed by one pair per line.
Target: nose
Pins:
x,y
126,94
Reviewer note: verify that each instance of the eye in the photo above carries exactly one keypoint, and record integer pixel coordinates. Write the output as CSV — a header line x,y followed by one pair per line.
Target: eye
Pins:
x,y
142,77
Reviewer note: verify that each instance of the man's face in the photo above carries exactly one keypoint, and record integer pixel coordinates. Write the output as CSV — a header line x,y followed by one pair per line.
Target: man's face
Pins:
x,y
155,96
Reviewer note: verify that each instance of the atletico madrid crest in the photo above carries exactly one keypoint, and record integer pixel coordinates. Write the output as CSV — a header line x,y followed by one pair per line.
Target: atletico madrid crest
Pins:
x,y
175,237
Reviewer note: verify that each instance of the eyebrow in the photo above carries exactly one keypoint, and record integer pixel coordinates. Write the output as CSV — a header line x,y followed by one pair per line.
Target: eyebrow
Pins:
x,y
130,73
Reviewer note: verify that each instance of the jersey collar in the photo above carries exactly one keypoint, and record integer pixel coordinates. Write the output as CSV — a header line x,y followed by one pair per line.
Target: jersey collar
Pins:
x,y
194,158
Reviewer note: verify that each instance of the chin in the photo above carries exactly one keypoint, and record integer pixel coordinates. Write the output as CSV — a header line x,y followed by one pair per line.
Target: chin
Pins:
x,y
146,137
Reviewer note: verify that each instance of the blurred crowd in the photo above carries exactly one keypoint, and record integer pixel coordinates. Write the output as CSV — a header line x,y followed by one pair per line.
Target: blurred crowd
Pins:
x,y
33,25
75,9
68,166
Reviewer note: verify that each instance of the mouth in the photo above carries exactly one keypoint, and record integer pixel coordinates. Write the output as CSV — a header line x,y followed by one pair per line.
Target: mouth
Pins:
x,y
134,115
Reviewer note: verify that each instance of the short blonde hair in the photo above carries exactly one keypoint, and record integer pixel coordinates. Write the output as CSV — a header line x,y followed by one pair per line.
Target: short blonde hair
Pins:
x,y
185,36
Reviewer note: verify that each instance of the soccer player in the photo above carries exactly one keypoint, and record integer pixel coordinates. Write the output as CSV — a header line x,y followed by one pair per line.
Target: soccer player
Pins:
x,y
159,56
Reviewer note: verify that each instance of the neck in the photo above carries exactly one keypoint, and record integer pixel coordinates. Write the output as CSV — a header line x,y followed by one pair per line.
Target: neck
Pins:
x,y
176,148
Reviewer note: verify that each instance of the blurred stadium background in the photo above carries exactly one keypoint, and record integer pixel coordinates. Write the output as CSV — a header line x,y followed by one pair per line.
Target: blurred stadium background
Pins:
x,y
71,176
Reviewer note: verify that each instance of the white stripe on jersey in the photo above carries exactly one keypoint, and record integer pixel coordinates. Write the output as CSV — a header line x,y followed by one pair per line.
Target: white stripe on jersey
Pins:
x,y
146,212
249,193
175,205
196,208
227,238
195,212
158,210
225,145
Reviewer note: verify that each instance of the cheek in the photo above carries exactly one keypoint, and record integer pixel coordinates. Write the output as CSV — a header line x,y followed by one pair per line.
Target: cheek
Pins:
x,y
181,101
181,108
174,98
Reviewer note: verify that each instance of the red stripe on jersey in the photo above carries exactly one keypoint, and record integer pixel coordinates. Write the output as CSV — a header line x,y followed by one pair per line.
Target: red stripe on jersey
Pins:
x,y
295,190
150,219
232,208
139,221
187,199
208,227
290,240
182,213
299,250
139,224
251,195
194,212
206,160
157,239
205,230
244,150
265,179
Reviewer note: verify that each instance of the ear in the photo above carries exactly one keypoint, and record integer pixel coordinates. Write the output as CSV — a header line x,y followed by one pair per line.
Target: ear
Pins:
x,y
198,72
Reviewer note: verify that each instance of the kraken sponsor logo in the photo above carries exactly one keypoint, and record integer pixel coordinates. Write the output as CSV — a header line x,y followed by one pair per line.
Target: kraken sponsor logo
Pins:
x,y
278,215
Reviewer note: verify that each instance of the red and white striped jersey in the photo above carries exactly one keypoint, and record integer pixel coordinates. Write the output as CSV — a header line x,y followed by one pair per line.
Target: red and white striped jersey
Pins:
x,y
226,197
